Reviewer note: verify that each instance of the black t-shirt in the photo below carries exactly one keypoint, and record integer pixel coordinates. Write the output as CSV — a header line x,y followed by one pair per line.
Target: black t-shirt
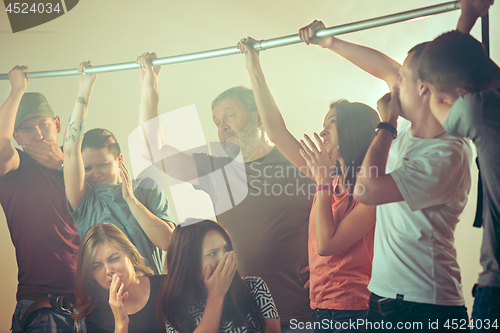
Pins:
x,y
101,320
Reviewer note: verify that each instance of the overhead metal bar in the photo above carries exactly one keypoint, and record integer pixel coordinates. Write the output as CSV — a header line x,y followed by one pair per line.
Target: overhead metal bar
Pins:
x,y
263,44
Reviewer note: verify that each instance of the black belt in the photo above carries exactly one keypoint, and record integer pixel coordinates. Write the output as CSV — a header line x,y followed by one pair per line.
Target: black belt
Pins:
x,y
44,301
386,306
494,289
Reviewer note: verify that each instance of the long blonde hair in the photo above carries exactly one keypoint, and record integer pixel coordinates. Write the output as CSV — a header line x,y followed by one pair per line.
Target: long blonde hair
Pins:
x,y
88,292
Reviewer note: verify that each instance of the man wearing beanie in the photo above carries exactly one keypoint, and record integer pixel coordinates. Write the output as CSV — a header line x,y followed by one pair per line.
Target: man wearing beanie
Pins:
x,y
33,199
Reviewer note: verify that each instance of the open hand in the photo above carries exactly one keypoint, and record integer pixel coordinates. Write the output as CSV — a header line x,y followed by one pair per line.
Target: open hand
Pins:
x,y
318,160
219,281
127,188
48,154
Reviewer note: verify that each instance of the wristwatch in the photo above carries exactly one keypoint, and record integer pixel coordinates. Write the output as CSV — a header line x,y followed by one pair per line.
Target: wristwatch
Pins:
x,y
387,127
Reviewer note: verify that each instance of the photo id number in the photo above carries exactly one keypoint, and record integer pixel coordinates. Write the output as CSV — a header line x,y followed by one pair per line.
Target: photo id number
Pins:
x,y
35,8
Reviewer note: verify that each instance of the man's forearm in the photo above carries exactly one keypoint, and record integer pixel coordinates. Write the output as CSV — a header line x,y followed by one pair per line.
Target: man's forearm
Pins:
x,y
7,120
375,160
8,113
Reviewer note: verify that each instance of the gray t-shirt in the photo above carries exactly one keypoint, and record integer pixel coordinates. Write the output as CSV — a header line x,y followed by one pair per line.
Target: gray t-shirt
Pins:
x,y
265,206
105,203
477,116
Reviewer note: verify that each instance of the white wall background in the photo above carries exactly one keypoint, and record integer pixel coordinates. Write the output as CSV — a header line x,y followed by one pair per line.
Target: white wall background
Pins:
x,y
302,78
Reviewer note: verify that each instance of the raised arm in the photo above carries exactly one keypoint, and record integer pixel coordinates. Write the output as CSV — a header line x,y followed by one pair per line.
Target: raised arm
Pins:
x,y
333,236
9,157
371,61
378,188
178,164
269,113
471,10
74,169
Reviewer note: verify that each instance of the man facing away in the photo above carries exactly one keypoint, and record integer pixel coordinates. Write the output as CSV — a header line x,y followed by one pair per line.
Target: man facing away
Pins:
x,y
465,98
32,196
419,178
269,226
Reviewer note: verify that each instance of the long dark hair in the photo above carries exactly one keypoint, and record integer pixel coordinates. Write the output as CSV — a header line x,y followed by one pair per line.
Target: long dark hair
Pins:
x,y
184,283
88,292
356,123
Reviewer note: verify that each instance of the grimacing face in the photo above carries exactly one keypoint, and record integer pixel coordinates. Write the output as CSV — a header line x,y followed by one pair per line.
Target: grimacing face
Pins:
x,y
213,249
101,167
109,261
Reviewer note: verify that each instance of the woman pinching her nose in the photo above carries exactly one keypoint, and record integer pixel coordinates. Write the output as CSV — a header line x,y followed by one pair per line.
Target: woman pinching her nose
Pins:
x,y
115,290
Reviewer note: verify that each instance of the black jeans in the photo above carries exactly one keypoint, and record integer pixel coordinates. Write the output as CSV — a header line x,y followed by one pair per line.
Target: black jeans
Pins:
x,y
393,315
486,309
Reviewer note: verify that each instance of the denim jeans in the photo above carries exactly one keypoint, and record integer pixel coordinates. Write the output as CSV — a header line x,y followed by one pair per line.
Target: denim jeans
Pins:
x,y
417,317
44,320
486,310
338,320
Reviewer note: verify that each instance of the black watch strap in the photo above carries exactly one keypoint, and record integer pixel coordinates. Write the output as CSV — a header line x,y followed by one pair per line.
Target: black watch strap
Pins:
x,y
387,127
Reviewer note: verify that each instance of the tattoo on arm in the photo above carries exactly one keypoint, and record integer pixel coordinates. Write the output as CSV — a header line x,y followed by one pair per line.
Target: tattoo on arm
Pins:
x,y
71,130
82,100
70,134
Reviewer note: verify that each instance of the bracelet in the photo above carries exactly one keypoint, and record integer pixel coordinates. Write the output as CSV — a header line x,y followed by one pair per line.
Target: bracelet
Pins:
x,y
388,127
324,187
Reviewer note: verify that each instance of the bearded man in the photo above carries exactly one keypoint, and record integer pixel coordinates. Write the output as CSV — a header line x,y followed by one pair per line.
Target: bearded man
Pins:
x,y
263,201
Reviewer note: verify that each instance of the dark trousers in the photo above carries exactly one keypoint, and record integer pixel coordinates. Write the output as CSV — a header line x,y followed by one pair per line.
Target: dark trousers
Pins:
x,y
486,309
42,321
390,315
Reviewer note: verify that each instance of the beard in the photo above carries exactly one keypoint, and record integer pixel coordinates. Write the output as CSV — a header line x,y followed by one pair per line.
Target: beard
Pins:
x,y
247,141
